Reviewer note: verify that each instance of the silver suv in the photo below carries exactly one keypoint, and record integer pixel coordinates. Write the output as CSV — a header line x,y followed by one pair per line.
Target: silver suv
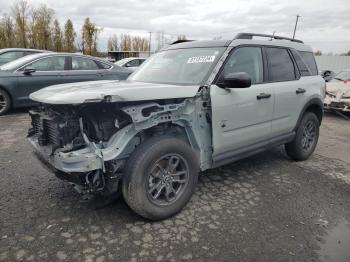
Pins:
x,y
193,106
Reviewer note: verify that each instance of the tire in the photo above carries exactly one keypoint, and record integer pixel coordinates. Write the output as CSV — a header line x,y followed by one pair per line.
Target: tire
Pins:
x,y
304,143
5,102
145,171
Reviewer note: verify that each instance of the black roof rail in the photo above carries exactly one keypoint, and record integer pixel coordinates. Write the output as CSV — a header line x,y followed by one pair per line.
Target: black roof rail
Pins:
x,y
251,35
180,41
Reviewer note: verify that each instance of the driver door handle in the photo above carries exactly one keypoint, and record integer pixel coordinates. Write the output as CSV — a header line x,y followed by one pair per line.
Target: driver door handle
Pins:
x,y
300,91
263,96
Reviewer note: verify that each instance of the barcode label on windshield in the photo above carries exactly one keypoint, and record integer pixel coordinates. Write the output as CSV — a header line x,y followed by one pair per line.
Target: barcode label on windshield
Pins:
x,y
201,59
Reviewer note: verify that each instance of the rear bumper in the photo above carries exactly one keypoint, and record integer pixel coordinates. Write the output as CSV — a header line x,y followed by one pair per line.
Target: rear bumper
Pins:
x,y
79,161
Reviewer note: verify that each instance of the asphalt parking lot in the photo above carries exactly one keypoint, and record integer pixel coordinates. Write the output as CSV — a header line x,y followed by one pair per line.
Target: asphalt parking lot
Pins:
x,y
265,208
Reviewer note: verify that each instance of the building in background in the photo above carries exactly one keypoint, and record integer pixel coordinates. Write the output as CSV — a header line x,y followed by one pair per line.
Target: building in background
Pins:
x,y
335,63
114,56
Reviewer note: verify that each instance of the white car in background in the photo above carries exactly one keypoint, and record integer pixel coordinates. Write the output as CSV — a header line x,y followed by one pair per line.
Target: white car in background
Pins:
x,y
338,92
131,62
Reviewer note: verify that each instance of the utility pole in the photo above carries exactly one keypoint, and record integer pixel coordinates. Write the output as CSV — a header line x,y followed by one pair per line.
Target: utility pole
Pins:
x,y
295,27
149,45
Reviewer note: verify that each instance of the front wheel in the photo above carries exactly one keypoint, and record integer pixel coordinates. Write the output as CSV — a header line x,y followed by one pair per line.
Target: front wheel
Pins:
x,y
305,141
160,177
5,102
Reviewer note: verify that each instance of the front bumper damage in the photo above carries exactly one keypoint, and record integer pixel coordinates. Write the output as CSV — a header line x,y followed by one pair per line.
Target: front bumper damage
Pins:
x,y
338,98
337,104
87,159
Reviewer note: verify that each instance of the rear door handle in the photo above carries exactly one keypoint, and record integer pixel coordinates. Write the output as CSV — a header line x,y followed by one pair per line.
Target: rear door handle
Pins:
x,y
300,91
100,74
263,96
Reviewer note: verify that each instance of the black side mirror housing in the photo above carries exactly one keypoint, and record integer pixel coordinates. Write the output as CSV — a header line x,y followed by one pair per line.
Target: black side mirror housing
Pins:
x,y
236,80
29,70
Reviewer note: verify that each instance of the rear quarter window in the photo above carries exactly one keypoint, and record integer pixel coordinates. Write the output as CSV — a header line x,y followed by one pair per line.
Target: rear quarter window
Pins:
x,y
309,59
303,68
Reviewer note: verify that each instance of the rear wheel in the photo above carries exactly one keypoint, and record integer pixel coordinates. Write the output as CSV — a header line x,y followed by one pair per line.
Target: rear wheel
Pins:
x,y
305,141
160,177
5,102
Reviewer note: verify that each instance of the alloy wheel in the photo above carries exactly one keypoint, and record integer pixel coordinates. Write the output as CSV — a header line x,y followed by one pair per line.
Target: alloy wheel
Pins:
x,y
309,136
167,179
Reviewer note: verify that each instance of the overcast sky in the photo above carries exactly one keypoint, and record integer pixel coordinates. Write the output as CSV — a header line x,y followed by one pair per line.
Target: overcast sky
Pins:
x,y
323,25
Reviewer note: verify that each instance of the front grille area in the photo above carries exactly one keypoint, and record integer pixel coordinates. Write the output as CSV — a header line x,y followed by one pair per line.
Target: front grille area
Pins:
x,y
36,123
55,131
50,132
44,129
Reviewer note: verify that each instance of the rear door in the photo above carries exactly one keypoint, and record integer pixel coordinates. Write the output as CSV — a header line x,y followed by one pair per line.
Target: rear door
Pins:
x,y
241,117
84,69
288,87
49,71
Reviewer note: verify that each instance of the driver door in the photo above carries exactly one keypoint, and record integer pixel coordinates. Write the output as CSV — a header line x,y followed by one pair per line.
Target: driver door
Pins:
x,y
241,117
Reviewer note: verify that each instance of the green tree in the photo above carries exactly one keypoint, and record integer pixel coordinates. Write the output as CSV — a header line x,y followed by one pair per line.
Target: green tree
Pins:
x,y
89,37
20,12
69,37
7,38
41,27
57,37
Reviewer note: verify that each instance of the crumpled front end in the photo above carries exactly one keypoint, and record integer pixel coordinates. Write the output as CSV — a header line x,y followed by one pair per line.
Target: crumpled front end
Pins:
x,y
338,96
89,144
69,141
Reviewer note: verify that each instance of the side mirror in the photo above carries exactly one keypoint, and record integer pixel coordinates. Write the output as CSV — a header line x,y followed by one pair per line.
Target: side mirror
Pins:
x,y
29,70
237,80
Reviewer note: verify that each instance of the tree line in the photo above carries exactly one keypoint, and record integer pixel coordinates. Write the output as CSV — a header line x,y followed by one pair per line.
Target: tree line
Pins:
x,y
126,42
36,27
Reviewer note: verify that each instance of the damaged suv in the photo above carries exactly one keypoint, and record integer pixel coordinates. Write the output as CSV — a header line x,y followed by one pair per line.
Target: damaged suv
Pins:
x,y
193,106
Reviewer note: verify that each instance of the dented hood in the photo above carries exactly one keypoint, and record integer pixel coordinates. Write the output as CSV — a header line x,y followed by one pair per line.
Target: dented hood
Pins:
x,y
96,91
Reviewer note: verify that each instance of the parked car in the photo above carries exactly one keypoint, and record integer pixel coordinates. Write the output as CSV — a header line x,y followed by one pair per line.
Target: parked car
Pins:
x,y
131,63
9,54
28,74
193,106
338,93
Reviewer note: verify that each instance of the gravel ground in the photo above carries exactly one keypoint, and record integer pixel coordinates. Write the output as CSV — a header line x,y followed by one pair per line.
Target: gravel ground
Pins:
x,y
265,208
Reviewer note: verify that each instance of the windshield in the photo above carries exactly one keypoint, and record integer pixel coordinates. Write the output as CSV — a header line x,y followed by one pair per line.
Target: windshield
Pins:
x,y
344,75
180,66
19,62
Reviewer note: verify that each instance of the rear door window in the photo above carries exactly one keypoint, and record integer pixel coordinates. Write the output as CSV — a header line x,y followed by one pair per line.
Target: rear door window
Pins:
x,y
280,65
82,63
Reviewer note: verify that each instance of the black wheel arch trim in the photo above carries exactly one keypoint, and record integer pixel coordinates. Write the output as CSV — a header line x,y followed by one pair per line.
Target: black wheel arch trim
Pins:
x,y
316,101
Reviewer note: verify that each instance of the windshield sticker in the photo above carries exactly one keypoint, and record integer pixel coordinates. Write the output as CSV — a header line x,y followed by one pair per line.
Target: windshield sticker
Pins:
x,y
201,59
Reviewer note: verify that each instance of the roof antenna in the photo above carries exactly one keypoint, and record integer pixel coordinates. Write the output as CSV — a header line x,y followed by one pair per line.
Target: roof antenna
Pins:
x,y
295,27
273,35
